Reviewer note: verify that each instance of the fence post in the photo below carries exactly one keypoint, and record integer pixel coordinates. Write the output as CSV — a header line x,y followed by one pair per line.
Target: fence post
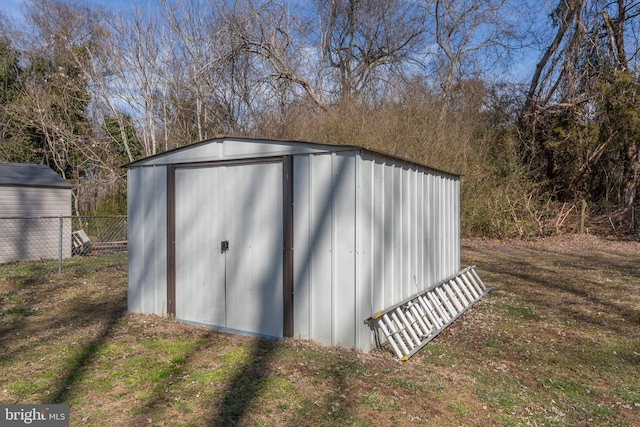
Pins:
x,y
583,214
60,246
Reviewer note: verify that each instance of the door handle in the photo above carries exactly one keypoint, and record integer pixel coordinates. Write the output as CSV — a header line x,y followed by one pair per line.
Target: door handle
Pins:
x,y
224,246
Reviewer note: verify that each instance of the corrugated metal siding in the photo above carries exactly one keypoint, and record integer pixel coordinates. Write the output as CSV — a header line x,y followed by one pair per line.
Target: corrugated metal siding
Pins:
x,y
408,226
368,232
147,234
324,248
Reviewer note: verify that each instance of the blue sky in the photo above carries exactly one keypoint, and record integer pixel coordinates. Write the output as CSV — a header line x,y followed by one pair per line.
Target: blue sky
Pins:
x,y
11,8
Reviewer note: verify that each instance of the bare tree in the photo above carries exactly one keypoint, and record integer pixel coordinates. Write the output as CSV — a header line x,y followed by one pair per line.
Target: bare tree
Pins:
x,y
199,49
138,71
366,42
473,36
591,36
271,36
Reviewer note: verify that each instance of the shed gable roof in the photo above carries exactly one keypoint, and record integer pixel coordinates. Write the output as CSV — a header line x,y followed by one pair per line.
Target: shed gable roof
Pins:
x,y
30,175
234,148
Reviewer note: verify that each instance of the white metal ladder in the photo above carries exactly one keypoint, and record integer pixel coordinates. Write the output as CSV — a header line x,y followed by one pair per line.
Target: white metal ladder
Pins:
x,y
410,324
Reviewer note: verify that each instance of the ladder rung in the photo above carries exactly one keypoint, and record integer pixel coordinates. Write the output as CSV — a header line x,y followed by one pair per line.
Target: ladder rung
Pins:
x,y
461,295
390,338
474,283
470,287
453,297
405,340
430,311
464,289
424,321
473,273
443,297
417,319
408,327
437,304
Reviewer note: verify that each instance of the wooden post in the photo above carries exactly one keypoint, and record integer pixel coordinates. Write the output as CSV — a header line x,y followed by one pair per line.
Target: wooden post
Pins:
x,y
583,214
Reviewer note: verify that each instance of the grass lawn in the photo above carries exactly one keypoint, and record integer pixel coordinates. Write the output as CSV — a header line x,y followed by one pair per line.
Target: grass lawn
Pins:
x,y
556,342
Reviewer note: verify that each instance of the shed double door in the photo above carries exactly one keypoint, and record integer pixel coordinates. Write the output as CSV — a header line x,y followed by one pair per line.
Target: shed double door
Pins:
x,y
229,246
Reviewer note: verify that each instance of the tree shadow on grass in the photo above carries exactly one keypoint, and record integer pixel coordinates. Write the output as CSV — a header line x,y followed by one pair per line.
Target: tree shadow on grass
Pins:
x,y
110,312
245,386
171,374
251,382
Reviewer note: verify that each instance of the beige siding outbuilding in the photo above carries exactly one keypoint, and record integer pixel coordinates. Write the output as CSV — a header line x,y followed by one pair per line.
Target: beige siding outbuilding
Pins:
x,y
35,205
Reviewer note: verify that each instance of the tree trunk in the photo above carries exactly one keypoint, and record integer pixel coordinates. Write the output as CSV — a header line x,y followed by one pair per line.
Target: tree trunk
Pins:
x,y
631,174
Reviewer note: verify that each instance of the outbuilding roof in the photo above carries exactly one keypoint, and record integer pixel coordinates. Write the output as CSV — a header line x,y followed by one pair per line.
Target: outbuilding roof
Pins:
x,y
303,147
30,175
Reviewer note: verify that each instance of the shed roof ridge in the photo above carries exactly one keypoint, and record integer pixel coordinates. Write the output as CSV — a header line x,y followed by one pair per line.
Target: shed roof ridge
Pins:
x,y
340,147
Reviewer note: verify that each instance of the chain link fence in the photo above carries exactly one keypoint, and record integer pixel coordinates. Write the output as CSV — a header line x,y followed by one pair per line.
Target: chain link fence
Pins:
x,y
63,243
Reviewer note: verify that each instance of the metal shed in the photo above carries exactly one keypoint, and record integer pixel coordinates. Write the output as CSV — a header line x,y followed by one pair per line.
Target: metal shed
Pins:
x,y
35,205
287,238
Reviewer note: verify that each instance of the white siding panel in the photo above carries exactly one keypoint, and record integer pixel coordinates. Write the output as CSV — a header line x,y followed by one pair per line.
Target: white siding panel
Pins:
x,y
406,269
414,284
431,230
344,280
302,254
325,258
379,234
313,247
398,230
135,245
321,249
158,236
365,234
423,230
147,235
456,236
387,195
439,248
450,227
